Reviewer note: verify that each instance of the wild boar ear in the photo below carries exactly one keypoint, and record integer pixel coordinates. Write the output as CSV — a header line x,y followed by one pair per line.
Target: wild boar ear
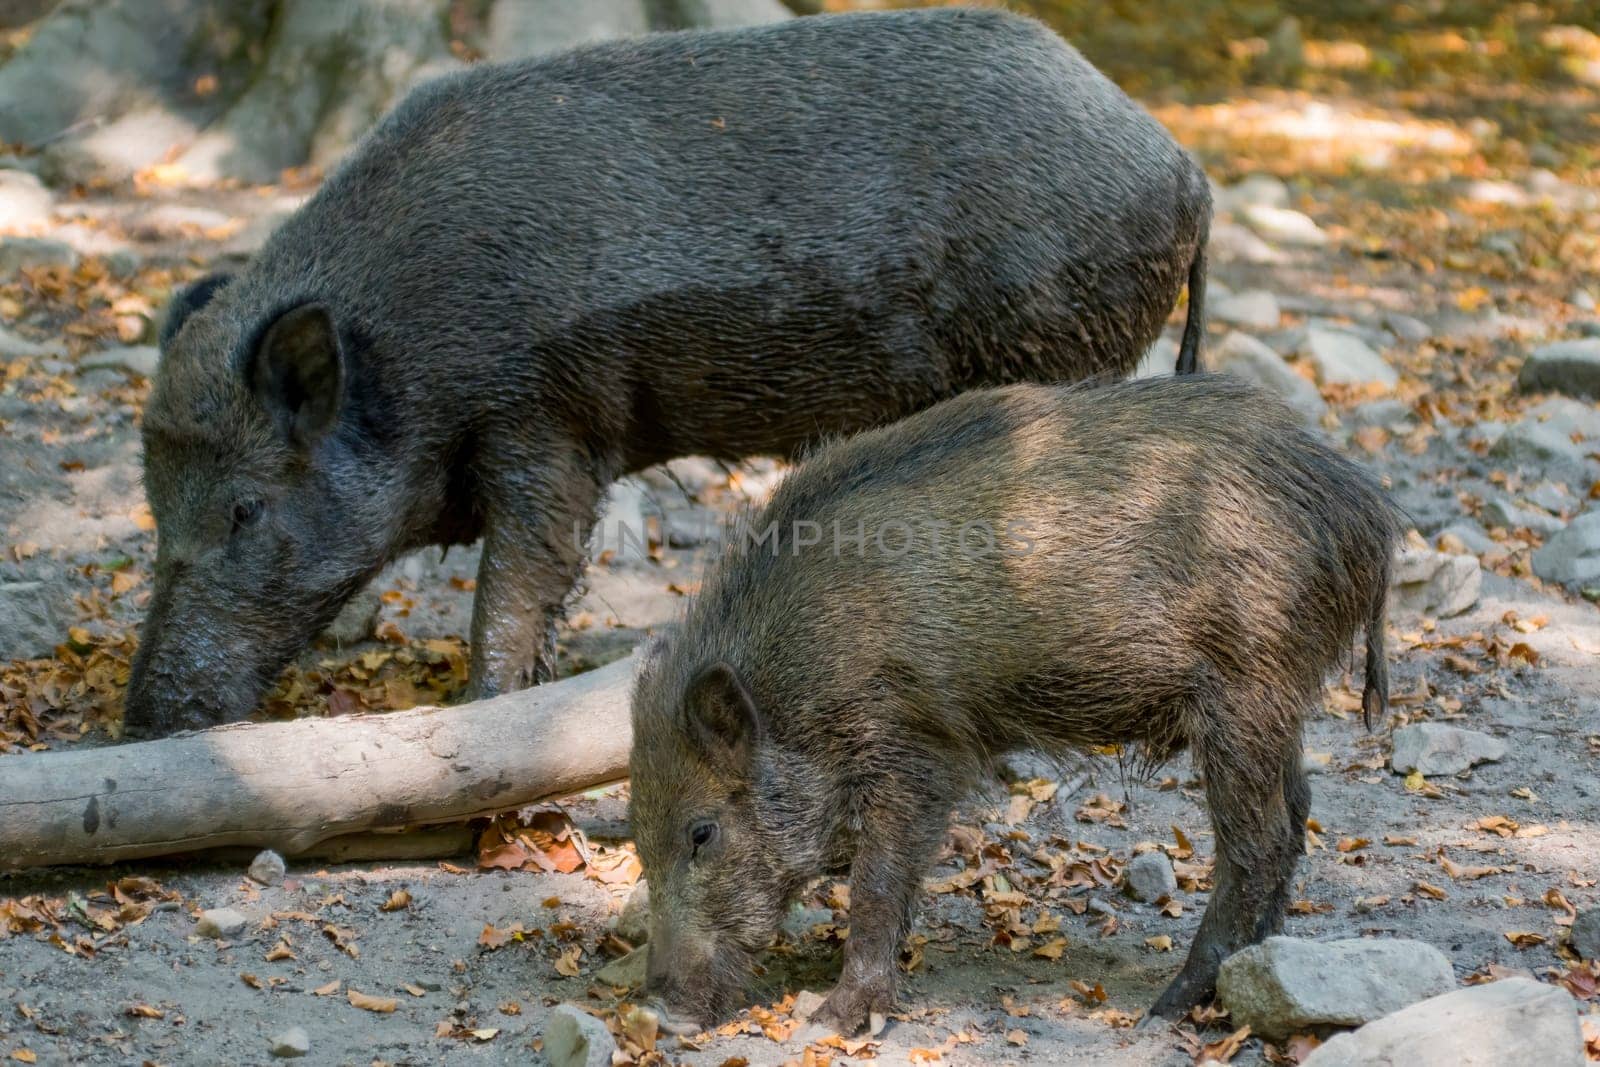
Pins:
x,y
722,715
297,373
189,300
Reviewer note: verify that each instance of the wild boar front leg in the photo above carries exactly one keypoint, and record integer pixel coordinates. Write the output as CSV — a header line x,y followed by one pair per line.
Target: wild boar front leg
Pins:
x,y
897,844
538,516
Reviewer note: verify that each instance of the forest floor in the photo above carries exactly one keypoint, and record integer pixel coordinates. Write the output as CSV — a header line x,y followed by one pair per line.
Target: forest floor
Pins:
x,y
1451,243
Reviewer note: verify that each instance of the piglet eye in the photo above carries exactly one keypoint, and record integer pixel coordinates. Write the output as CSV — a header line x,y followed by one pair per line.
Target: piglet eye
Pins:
x,y
246,512
702,833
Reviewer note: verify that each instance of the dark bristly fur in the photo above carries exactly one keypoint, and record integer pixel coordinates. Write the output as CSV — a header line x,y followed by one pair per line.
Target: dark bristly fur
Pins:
x,y
533,278
1198,563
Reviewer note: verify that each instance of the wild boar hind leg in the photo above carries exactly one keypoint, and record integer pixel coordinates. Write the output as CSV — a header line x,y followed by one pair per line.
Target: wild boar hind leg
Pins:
x,y
539,506
1249,753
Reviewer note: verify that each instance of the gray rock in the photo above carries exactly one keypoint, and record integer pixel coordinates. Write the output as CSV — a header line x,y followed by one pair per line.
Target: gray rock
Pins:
x,y
1472,537
1537,444
1407,328
1512,1021
1572,417
1232,243
1586,934
1390,414
1572,557
13,346
1245,356
267,868
1285,985
626,971
24,201
1571,367
1149,877
19,252
1500,512
291,1044
140,359
220,922
1433,583
633,925
1552,496
356,620
623,529
1160,359
1436,748
574,1038
1582,299
1283,225
33,620
1254,309
1259,189
1343,358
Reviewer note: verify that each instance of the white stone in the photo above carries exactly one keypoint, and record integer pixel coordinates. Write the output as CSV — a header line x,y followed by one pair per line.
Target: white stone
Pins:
x,y
1159,360
1572,557
220,922
267,868
1149,877
623,529
1512,1021
574,1038
25,203
1245,356
1285,985
1570,367
626,971
140,359
1345,359
1283,225
291,1044
1232,243
1433,583
1258,189
1436,748
1254,309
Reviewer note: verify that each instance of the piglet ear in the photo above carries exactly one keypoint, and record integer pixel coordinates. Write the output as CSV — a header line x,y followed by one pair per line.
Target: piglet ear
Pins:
x,y
721,716
297,373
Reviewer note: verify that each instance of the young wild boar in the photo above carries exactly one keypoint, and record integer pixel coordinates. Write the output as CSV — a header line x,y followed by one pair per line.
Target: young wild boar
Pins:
x,y
533,278
1162,564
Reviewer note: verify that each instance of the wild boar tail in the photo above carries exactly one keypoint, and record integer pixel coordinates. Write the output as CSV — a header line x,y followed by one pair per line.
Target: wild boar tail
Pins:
x,y
1375,690
1194,326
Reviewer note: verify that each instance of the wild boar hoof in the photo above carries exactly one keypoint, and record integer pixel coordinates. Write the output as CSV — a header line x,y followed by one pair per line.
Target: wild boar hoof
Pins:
x,y
849,1008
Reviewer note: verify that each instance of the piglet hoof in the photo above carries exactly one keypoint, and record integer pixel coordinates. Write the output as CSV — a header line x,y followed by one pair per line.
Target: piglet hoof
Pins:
x,y
851,1009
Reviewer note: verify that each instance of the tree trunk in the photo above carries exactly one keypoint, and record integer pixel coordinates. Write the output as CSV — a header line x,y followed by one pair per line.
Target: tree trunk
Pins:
x,y
292,786
244,89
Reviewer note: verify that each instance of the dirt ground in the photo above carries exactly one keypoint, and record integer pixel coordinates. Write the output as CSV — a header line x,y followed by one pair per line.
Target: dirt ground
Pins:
x,y
1486,239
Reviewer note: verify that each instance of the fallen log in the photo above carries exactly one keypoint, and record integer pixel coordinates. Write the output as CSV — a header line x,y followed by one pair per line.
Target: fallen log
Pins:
x,y
291,786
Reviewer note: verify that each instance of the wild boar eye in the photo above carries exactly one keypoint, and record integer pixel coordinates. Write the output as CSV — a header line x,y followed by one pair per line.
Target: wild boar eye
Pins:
x,y
245,513
701,834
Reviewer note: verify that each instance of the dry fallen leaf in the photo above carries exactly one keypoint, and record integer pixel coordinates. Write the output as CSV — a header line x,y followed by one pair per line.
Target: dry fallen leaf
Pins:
x,y
1524,938
1016,1037
399,899
367,1002
567,962
327,990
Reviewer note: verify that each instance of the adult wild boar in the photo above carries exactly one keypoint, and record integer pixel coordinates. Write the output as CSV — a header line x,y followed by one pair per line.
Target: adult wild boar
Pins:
x,y
1165,565
533,278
